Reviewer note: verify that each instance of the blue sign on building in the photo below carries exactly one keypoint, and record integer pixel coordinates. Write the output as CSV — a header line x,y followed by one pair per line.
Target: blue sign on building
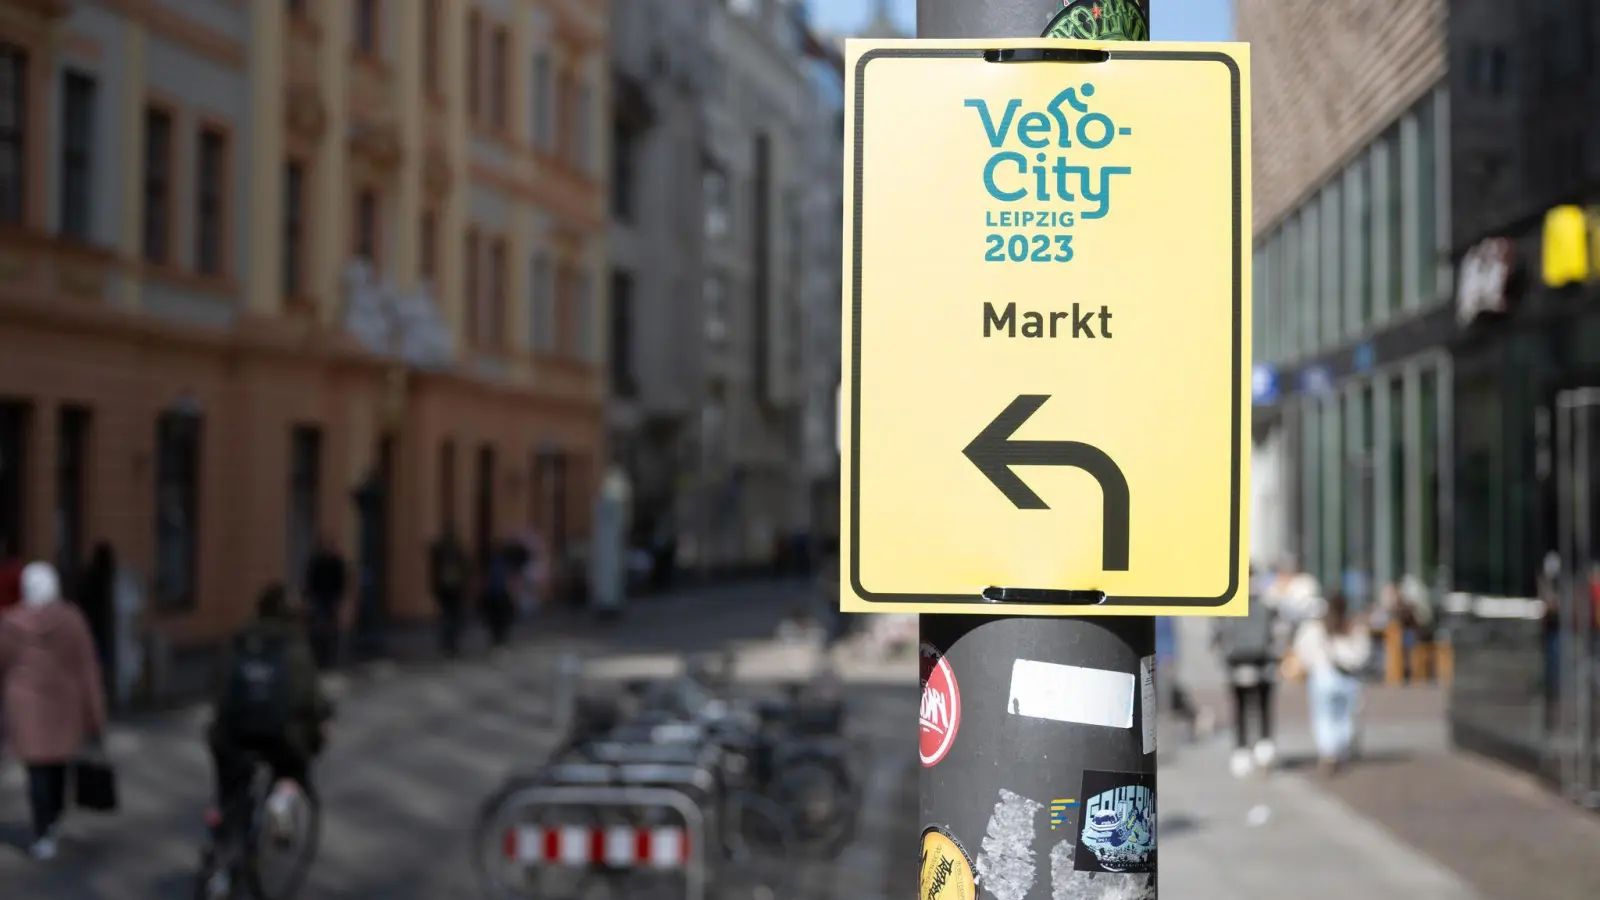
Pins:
x,y
1264,385
1317,380
1365,357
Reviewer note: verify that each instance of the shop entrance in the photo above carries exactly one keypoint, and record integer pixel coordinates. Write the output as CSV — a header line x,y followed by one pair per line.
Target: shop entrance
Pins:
x,y
1578,510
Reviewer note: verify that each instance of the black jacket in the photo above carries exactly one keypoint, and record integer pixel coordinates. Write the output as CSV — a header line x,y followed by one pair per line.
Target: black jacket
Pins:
x,y
311,707
325,579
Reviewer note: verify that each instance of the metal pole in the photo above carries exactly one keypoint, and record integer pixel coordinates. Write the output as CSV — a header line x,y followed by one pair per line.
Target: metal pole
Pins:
x,y
1015,775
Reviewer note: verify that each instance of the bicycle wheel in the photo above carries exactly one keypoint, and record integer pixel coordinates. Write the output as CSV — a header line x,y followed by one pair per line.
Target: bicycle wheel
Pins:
x,y
821,797
758,843
279,854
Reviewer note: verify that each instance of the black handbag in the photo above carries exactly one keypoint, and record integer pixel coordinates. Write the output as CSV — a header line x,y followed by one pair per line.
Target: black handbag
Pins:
x,y
94,785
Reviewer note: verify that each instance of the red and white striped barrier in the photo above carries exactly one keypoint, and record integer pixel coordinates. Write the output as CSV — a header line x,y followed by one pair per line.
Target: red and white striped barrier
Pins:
x,y
619,847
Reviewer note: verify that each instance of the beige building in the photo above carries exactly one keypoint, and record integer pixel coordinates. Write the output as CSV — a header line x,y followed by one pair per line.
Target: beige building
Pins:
x,y
184,186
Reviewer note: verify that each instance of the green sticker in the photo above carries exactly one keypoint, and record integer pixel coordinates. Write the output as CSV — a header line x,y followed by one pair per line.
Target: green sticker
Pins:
x,y
1101,20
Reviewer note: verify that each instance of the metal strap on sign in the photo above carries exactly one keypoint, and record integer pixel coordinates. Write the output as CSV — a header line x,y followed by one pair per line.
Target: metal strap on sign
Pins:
x,y
658,849
617,847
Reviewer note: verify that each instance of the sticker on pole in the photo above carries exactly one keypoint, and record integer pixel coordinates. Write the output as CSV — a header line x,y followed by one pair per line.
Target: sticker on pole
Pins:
x,y
1117,823
940,716
1046,325
946,868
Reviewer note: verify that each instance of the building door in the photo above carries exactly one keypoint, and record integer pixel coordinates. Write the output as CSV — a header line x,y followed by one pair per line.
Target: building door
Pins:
x,y
305,493
13,462
550,509
1578,510
72,452
483,535
374,499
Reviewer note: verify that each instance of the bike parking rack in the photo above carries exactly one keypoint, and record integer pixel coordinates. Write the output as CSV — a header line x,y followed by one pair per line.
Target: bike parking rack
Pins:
x,y
613,846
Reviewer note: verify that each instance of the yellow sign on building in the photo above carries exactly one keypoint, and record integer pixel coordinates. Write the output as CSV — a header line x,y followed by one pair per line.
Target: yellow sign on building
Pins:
x,y
1047,327
1566,246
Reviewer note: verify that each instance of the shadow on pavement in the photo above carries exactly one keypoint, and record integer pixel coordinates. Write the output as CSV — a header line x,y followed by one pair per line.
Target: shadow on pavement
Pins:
x,y
1305,763
1178,825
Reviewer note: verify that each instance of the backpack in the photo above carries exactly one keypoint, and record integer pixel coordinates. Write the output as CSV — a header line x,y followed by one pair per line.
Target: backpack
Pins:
x,y
1249,638
259,699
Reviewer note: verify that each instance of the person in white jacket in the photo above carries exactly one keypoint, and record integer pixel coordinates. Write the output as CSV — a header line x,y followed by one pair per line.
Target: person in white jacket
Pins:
x,y
1333,649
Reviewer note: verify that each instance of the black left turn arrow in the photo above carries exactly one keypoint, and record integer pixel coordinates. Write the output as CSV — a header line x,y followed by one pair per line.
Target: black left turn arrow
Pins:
x,y
994,453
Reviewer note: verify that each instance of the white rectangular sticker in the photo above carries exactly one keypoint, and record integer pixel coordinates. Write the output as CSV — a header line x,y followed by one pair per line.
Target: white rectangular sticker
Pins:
x,y
1147,702
1042,690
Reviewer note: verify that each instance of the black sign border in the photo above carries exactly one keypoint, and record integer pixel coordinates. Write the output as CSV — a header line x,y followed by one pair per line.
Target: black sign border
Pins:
x,y
1238,329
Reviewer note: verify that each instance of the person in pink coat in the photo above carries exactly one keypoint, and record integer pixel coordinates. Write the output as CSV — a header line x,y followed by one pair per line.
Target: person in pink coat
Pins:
x,y
54,701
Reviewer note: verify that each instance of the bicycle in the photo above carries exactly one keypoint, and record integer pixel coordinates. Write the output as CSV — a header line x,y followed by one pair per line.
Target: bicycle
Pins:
x,y
233,869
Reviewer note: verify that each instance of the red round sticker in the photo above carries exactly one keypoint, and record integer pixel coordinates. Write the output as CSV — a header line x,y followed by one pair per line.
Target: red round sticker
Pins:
x,y
941,706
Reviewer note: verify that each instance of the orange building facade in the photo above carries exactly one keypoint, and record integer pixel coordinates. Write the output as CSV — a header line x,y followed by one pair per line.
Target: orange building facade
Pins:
x,y
184,186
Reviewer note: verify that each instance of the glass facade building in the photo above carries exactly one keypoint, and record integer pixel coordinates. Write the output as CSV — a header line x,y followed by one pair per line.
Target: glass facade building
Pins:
x,y
1351,303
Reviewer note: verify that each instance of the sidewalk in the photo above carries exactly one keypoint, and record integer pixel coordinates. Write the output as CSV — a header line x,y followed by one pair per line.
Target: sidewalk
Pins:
x,y
1412,819
190,675
1278,836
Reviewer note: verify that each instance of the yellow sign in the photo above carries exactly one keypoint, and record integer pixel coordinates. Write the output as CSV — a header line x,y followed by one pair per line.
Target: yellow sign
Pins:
x,y
1046,327
946,872
1566,246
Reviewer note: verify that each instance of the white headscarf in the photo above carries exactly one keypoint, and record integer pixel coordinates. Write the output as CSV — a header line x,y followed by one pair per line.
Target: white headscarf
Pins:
x,y
40,584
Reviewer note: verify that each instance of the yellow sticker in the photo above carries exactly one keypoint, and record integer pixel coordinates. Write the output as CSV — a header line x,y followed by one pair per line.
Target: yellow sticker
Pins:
x,y
1047,370
946,872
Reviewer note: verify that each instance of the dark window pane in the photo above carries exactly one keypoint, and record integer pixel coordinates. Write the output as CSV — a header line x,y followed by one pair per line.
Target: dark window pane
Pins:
x,y
208,222
293,227
157,185
177,510
13,130
367,226
366,25
427,243
623,382
77,141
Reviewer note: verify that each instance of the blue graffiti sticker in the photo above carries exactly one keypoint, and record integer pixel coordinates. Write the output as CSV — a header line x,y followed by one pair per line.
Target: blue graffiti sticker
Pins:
x,y
1116,823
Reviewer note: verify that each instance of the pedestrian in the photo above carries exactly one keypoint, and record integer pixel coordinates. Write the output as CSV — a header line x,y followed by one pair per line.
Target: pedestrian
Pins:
x,y
1295,595
1333,649
1251,648
1417,617
97,598
54,701
10,575
1550,628
324,587
10,598
447,565
495,601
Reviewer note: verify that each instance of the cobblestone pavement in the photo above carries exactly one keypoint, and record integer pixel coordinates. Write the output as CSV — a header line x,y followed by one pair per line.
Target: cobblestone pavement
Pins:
x,y
415,751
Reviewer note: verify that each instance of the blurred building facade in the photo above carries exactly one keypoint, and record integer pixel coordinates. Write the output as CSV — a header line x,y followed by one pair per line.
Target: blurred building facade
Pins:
x,y
718,223
1527,354
1352,212
822,279
222,228
1528,345
661,73
752,489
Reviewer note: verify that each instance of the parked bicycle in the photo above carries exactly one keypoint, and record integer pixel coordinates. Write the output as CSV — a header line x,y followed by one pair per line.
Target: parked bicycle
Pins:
x,y
755,785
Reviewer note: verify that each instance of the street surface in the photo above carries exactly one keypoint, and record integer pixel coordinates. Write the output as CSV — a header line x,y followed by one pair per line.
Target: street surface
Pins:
x,y
417,748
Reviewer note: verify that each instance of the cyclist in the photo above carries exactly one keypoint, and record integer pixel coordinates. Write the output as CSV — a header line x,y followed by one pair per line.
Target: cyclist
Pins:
x,y
271,711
